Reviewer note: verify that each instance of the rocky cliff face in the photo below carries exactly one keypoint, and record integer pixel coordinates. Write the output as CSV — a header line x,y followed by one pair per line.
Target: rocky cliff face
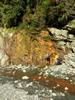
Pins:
x,y
46,48
25,49
3,56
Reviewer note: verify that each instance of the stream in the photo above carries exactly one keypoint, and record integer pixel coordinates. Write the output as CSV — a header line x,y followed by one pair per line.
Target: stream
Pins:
x,y
30,84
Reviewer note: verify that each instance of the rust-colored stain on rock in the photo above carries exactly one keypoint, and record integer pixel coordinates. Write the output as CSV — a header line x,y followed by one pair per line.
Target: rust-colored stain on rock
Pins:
x,y
24,49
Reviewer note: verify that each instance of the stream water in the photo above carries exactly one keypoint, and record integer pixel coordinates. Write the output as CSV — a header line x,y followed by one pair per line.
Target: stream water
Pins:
x,y
29,85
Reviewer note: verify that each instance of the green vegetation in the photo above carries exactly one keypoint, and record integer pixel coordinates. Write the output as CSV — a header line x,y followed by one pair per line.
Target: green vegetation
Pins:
x,y
47,38
36,13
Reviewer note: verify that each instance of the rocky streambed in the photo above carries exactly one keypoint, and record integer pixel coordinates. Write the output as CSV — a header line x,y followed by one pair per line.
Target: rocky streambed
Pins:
x,y
18,82
25,83
55,80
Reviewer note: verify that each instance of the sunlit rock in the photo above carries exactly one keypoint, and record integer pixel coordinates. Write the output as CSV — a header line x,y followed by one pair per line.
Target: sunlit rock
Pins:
x,y
58,85
62,94
7,33
58,34
2,53
71,26
67,78
3,56
54,94
19,85
4,60
39,77
51,99
29,84
2,43
25,77
66,88
50,91
16,81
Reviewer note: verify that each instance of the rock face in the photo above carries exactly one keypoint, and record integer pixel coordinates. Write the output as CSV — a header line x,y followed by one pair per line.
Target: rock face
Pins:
x,y
1,42
26,49
36,50
3,56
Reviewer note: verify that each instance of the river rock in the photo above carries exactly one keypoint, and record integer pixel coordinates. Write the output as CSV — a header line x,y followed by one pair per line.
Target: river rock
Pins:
x,y
71,26
71,36
58,33
73,46
61,43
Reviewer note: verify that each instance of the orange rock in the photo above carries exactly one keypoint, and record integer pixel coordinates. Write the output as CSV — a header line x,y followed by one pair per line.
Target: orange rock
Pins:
x,y
44,33
22,49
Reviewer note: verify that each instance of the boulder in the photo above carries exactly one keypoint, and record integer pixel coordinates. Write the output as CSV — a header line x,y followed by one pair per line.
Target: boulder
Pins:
x,y
71,27
71,36
58,34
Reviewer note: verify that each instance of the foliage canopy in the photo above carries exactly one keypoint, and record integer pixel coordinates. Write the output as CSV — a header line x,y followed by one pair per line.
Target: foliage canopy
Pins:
x,y
36,13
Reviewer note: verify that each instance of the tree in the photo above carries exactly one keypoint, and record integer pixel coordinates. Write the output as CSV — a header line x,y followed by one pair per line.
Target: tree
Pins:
x,y
11,12
58,15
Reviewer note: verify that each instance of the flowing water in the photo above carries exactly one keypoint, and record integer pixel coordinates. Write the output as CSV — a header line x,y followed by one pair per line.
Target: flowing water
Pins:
x,y
41,86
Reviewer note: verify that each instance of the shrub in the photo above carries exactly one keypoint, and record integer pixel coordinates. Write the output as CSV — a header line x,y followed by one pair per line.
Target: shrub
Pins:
x,y
36,13
11,13
59,14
